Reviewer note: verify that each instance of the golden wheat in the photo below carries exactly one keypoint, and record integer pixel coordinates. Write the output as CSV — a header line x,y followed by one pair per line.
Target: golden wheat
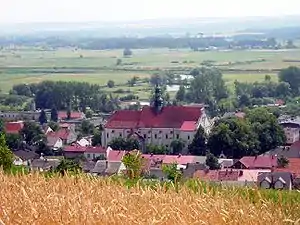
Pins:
x,y
34,199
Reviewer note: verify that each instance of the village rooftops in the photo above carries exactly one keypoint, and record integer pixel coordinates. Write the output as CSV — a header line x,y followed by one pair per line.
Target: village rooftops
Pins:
x,y
62,115
13,127
168,117
84,149
256,162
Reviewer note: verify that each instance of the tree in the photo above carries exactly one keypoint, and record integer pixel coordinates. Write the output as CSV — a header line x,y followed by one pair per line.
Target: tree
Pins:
x,y
32,133
43,117
110,84
53,125
282,162
133,81
177,146
234,138
66,166
97,138
124,144
86,127
157,149
267,78
134,163
172,172
89,114
6,156
54,115
127,52
119,62
13,141
158,79
198,145
264,123
1,126
212,162
291,75
180,95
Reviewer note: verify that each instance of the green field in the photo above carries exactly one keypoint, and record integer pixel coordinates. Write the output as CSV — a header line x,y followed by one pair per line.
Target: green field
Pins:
x,y
36,65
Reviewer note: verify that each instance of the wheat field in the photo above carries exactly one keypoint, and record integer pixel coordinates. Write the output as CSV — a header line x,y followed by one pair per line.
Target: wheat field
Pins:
x,y
35,199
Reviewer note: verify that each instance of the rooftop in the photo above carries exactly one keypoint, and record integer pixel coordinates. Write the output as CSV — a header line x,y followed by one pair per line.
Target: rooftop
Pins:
x,y
169,117
13,127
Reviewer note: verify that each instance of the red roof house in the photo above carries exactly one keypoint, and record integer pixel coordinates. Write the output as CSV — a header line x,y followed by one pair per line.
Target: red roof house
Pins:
x,y
293,167
62,115
256,162
169,117
13,127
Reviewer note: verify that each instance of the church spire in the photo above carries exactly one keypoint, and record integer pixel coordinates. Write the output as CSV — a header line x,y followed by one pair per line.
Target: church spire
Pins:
x,y
158,101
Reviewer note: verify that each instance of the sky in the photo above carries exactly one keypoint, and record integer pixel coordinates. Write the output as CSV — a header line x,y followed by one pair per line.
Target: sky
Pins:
x,y
26,11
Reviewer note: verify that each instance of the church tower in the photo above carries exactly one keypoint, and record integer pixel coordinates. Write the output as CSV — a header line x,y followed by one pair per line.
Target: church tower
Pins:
x,y
158,101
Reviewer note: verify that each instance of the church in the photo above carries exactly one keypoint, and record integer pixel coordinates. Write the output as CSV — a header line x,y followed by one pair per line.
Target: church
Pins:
x,y
157,124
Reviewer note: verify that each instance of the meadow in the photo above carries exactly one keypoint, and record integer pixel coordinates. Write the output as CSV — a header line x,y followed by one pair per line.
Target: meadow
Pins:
x,y
31,65
35,199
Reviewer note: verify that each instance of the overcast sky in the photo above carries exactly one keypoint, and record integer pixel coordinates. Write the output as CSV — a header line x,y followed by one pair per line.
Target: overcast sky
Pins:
x,y
15,11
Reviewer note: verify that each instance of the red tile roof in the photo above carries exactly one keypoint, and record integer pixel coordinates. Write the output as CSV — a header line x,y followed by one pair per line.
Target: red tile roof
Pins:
x,y
206,175
74,148
84,149
115,156
228,175
97,149
61,133
74,115
189,126
179,159
169,117
259,162
293,167
13,127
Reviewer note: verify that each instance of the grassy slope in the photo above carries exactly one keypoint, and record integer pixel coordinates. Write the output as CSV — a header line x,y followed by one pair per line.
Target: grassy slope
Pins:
x,y
33,199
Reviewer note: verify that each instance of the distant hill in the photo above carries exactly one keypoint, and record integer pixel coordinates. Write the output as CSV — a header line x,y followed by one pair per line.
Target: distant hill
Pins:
x,y
158,27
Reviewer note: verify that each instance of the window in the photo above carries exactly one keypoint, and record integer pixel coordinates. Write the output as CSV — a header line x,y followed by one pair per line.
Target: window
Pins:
x,y
94,156
113,131
177,136
171,132
167,146
188,137
107,135
145,136
120,135
88,156
160,131
149,132
167,136
155,136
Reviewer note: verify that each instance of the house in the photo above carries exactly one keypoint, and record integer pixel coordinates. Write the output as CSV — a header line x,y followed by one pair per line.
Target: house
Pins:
x,y
156,125
13,127
20,115
225,163
43,164
67,134
292,151
47,129
74,151
256,162
23,158
291,129
63,115
84,142
92,153
275,180
54,142
293,167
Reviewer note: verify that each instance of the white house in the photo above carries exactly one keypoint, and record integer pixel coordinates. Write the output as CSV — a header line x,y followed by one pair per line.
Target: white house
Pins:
x,y
54,142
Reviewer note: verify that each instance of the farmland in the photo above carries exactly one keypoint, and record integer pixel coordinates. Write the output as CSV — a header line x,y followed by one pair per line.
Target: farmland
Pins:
x,y
31,65
34,199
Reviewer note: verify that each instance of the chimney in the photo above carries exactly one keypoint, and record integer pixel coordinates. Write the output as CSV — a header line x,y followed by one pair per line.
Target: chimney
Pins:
x,y
179,155
255,157
151,154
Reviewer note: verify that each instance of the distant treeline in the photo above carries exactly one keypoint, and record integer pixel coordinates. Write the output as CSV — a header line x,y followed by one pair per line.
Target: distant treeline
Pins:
x,y
195,43
63,95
